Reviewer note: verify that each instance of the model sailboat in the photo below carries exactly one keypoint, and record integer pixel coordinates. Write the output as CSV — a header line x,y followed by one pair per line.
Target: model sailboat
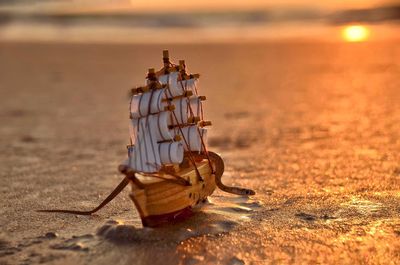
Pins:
x,y
169,166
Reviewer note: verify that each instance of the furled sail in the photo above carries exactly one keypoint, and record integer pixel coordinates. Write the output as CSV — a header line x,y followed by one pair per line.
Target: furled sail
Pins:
x,y
162,111
178,87
193,135
171,152
144,155
147,103
175,87
196,106
181,110
190,85
159,122
147,153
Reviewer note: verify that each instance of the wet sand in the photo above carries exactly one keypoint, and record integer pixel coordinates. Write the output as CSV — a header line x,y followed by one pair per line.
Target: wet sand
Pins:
x,y
313,128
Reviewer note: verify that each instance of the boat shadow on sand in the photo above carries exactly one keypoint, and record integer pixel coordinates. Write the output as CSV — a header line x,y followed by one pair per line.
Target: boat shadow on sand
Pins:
x,y
220,214
128,240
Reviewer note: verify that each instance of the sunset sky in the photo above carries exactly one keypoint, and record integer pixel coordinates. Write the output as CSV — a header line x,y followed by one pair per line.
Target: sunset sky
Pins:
x,y
90,20
179,5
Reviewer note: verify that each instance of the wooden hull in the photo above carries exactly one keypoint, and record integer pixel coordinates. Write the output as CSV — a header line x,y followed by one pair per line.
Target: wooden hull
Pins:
x,y
163,200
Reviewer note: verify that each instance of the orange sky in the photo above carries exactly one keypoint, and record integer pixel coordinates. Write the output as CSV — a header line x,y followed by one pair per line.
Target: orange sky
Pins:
x,y
240,4
180,5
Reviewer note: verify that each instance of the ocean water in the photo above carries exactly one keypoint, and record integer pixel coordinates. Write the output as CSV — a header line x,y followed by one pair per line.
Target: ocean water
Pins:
x,y
192,26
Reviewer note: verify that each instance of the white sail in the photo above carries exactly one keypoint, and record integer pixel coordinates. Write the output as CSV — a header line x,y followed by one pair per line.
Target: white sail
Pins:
x,y
162,121
175,87
191,85
171,152
193,135
144,154
147,103
181,110
159,122
153,141
178,87
196,106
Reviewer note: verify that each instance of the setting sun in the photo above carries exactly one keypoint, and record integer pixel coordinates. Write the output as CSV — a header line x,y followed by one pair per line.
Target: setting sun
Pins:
x,y
355,33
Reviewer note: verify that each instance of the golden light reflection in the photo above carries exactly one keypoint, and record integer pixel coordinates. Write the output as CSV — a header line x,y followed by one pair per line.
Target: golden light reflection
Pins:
x,y
355,33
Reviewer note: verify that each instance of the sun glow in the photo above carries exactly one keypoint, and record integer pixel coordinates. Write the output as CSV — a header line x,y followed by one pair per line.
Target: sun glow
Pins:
x,y
355,33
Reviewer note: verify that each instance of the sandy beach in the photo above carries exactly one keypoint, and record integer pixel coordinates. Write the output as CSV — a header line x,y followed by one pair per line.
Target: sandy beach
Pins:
x,y
313,128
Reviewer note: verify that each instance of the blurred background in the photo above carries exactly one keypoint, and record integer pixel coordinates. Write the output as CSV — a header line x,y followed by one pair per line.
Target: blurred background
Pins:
x,y
303,96
193,21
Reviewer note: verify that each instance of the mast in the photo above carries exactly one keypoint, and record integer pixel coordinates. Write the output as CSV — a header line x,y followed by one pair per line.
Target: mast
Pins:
x,y
166,61
166,119
152,142
181,83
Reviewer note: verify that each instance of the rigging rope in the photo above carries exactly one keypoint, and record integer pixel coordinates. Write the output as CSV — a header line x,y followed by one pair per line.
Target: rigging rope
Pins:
x,y
183,136
198,129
